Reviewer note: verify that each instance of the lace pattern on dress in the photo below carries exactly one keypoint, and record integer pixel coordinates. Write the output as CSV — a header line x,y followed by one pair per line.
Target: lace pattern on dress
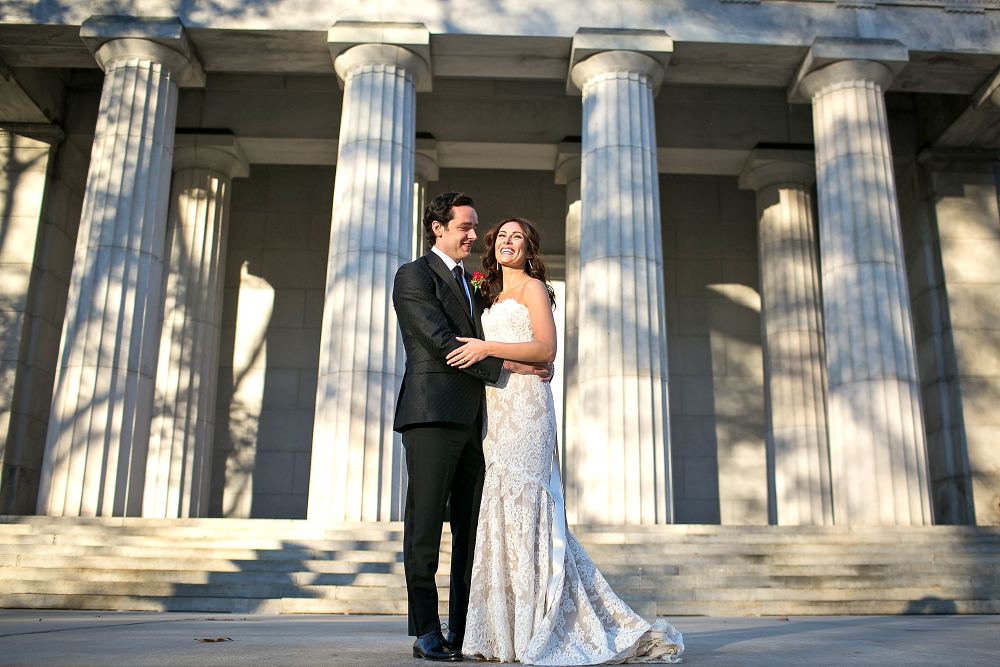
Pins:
x,y
514,612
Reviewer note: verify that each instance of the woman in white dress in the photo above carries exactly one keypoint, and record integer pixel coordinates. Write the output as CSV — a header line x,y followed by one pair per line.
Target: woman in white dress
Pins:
x,y
536,597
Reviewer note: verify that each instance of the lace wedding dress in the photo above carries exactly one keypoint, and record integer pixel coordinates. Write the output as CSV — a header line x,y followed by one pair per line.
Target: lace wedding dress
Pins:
x,y
536,596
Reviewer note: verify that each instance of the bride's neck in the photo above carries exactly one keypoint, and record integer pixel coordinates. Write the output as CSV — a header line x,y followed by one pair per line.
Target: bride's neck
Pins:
x,y
512,277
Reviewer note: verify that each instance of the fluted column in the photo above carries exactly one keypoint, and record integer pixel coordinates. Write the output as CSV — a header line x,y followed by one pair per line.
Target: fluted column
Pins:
x,y
179,461
95,452
792,335
567,173
356,469
876,426
622,359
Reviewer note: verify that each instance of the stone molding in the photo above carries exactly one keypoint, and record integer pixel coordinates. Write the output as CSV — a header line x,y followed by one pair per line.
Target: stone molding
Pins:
x,y
962,160
953,6
834,59
425,161
405,45
567,167
45,133
767,167
162,40
219,152
653,45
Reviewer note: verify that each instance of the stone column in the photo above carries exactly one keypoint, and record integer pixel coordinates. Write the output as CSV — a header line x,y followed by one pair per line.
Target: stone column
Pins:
x,y
356,471
622,358
877,440
792,336
180,443
25,157
95,452
567,172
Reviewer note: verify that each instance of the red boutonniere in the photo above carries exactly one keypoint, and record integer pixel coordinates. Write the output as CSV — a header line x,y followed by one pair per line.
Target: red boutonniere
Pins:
x,y
478,279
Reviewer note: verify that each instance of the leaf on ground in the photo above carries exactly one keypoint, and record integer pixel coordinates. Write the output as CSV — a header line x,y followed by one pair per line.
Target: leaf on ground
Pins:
x,y
212,640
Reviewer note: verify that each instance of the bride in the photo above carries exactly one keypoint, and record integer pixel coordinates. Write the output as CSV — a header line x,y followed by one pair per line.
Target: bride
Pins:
x,y
536,597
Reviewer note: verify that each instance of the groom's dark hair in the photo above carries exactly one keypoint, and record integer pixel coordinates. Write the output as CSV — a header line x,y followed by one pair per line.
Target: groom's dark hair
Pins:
x,y
439,209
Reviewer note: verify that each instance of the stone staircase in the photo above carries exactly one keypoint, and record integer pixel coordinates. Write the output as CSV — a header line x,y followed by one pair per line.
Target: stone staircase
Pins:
x,y
278,566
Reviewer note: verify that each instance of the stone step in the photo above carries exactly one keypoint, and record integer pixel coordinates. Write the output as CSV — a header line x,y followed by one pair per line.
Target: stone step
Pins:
x,y
145,603
607,551
279,566
25,554
922,569
393,530
638,541
119,563
327,606
204,550
634,582
395,594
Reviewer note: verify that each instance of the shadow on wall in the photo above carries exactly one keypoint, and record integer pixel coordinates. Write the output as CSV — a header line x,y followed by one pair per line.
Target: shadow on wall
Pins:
x,y
18,478
269,353
713,328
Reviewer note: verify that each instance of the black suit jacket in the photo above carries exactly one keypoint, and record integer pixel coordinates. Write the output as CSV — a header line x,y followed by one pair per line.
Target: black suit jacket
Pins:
x,y
432,310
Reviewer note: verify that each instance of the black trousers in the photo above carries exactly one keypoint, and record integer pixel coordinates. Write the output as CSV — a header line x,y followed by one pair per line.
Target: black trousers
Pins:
x,y
443,462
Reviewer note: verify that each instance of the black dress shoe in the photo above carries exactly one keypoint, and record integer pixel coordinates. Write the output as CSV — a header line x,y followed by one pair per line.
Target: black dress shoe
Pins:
x,y
432,647
453,642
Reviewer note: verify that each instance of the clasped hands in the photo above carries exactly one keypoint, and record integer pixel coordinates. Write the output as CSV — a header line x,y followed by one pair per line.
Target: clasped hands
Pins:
x,y
475,350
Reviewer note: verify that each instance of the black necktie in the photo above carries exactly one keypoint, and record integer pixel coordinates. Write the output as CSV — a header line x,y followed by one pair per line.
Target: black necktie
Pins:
x,y
460,278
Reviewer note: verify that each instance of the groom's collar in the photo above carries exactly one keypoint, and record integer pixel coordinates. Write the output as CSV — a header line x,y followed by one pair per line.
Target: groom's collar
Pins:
x,y
448,261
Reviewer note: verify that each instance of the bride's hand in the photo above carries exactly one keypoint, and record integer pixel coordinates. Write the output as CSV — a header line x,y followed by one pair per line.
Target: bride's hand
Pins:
x,y
472,352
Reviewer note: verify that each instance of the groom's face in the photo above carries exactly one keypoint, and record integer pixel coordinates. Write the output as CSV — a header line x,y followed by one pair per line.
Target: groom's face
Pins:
x,y
456,239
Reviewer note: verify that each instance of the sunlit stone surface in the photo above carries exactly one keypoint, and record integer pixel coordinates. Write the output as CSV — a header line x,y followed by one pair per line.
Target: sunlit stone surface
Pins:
x,y
792,335
180,444
623,437
877,439
95,454
356,471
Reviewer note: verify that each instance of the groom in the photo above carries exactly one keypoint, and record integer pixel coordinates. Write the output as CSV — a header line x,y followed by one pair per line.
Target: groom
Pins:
x,y
440,415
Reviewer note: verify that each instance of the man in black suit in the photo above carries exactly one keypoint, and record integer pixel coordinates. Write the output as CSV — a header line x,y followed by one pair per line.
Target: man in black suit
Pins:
x,y
440,414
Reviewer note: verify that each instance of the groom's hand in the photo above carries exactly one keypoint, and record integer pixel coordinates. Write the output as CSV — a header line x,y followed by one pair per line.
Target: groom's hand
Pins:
x,y
544,371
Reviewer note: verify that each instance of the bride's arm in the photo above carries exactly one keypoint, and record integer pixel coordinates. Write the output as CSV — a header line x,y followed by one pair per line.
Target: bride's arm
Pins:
x,y
540,350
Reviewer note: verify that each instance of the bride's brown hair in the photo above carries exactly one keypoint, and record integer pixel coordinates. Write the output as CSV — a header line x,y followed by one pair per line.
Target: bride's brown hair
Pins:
x,y
533,265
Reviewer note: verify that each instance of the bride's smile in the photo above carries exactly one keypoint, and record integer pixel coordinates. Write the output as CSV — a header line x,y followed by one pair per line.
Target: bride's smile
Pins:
x,y
510,246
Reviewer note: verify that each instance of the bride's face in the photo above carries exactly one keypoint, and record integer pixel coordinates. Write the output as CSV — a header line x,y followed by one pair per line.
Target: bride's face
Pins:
x,y
509,247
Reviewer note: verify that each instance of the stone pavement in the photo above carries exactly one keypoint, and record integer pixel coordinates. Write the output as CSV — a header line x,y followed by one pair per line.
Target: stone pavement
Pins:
x,y
55,638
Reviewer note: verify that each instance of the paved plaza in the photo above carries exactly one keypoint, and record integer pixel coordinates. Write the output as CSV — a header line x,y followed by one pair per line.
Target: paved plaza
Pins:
x,y
55,638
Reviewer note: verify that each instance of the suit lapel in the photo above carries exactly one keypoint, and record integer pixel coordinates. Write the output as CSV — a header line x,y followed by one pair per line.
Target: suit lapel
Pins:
x,y
438,266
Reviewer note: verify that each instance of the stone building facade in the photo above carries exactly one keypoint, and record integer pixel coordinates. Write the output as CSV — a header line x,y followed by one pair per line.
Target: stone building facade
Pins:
x,y
773,226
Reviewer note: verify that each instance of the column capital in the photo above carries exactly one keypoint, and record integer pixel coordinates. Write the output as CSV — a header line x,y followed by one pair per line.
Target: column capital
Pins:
x,y
408,45
777,166
834,59
568,163
425,164
220,152
163,40
644,51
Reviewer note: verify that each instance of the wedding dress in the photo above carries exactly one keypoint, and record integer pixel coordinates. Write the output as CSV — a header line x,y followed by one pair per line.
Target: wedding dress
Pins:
x,y
536,597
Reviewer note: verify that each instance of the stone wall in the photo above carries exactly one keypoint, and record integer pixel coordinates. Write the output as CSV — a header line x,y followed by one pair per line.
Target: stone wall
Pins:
x,y
272,309
716,368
